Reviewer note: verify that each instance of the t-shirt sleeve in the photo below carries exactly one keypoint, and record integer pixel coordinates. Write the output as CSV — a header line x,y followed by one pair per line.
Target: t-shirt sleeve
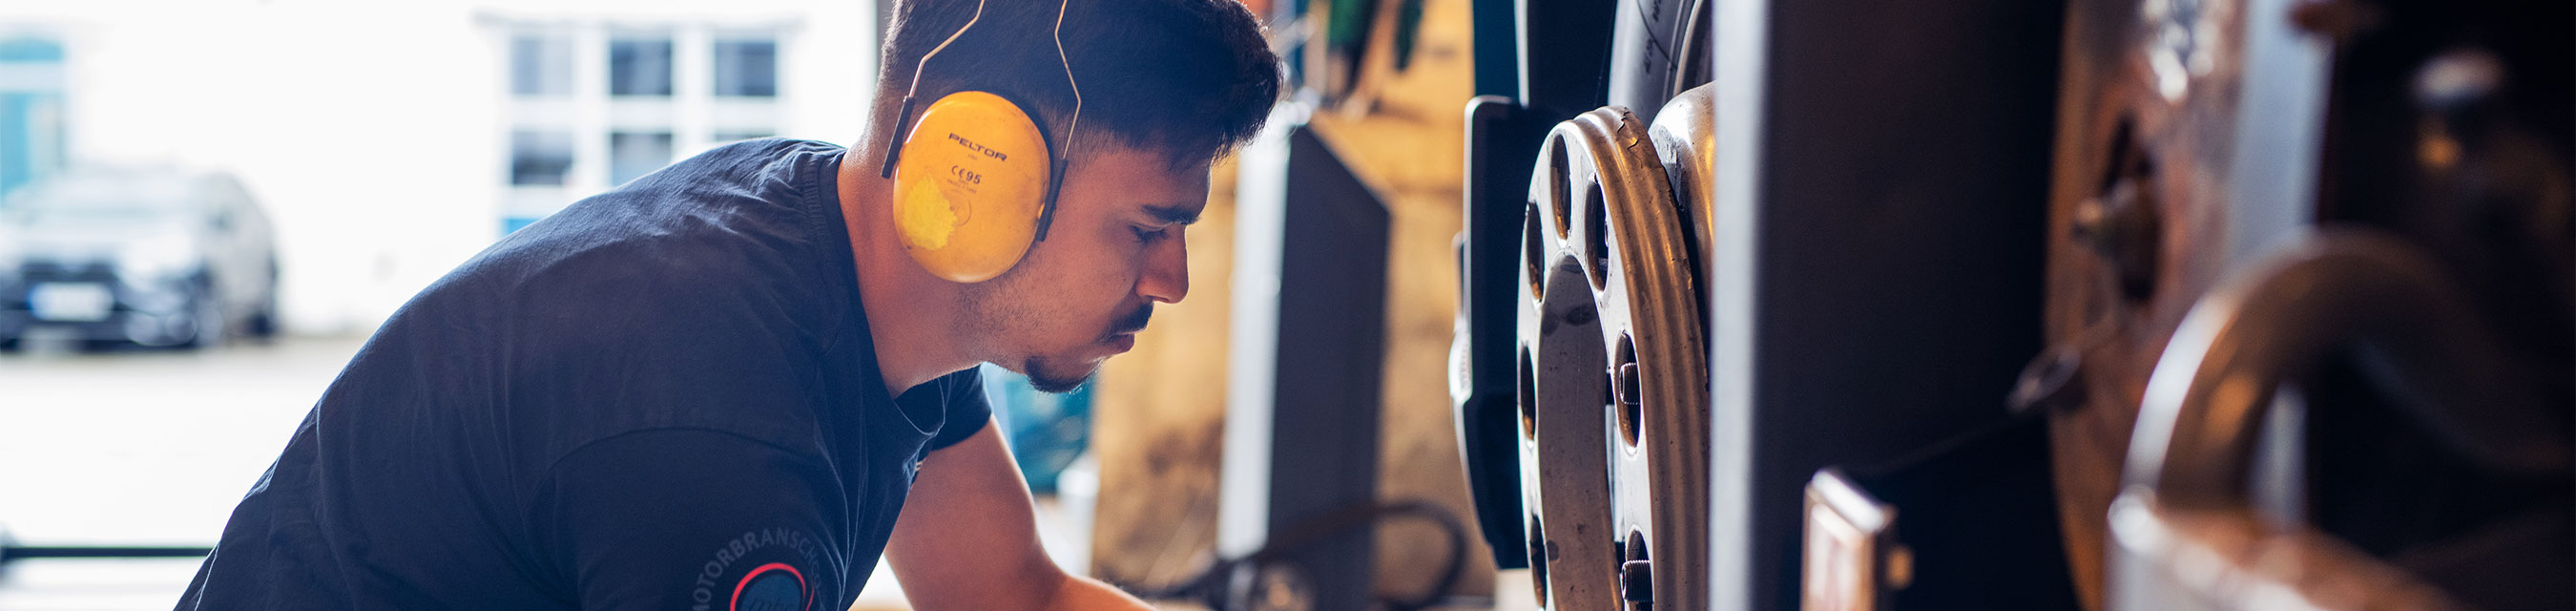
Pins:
x,y
687,519
968,410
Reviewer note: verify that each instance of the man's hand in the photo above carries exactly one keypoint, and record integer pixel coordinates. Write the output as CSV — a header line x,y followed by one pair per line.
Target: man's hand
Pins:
x,y
968,538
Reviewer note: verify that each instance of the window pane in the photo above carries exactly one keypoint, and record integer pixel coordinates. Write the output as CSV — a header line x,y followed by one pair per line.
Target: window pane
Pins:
x,y
632,155
747,68
540,65
639,66
540,157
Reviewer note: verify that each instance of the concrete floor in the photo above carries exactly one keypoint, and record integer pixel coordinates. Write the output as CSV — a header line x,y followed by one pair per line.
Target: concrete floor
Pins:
x,y
140,447
153,447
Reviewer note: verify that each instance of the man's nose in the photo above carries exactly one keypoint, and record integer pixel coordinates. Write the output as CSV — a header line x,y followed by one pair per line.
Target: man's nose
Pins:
x,y
1167,270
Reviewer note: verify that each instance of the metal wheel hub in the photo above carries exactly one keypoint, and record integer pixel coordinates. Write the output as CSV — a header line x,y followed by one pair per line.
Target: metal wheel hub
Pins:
x,y
1613,377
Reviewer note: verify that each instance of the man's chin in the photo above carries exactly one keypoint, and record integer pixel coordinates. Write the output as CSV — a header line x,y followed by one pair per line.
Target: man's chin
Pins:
x,y
1058,377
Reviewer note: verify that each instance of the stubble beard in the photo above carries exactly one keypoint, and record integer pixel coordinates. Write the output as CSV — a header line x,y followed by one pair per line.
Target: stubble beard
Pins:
x,y
989,313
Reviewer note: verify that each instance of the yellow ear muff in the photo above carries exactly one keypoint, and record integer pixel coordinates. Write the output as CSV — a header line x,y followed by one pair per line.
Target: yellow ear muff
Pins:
x,y
971,186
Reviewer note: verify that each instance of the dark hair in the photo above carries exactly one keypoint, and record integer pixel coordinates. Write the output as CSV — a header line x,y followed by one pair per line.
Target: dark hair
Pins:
x,y
1190,78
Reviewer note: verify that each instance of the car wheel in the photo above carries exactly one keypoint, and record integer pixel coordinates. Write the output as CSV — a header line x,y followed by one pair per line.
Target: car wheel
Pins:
x,y
206,322
263,322
8,344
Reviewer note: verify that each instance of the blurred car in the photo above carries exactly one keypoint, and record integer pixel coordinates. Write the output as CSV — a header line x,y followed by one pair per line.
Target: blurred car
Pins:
x,y
150,257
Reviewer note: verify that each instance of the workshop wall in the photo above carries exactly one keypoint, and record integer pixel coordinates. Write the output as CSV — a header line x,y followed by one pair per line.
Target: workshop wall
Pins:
x,y
1163,405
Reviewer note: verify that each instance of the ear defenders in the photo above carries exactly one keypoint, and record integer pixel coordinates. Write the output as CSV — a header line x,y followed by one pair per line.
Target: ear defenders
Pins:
x,y
975,180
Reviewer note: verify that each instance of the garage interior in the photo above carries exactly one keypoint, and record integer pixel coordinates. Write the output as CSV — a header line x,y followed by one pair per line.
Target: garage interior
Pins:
x,y
1692,305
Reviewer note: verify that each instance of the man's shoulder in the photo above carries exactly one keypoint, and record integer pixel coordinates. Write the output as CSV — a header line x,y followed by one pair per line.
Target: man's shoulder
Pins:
x,y
772,154
669,298
766,180
740,217
692,302
773,146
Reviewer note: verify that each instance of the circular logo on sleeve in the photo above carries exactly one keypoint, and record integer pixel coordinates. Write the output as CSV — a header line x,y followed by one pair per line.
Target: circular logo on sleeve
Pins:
x,y
770,587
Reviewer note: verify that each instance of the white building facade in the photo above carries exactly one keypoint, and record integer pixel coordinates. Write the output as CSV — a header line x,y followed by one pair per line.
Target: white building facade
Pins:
x,y
391,141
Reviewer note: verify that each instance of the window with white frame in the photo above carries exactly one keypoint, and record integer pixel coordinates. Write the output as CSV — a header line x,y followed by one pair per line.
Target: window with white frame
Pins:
x,y
540,157
639,65
631,155
540,64
746,67
594,104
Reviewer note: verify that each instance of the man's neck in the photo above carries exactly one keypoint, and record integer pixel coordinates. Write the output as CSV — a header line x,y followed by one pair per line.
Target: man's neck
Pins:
x,y
912,315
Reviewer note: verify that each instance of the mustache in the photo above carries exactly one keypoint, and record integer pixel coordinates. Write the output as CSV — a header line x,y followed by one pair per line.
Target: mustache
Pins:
x,y
1132,322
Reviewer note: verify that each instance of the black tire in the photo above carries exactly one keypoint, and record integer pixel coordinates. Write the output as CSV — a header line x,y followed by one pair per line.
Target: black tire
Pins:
x,y
8,344
263,323
207,320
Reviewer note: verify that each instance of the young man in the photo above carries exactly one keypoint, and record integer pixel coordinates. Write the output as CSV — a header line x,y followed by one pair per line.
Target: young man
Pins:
x,y
727,385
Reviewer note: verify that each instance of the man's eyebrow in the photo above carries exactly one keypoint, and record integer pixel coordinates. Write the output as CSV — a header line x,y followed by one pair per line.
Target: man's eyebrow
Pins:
x,y
1172,214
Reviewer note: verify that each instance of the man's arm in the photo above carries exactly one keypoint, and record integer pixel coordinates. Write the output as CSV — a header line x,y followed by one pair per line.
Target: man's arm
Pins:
x,y
968,538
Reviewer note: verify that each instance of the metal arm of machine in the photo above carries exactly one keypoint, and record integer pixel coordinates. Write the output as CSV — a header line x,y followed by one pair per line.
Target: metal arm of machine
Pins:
x,y
2406,320
2188,537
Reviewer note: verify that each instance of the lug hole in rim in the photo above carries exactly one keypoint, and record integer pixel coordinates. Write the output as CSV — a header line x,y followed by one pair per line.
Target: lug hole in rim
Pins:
x,y
1559,192
1538,560
1626,389
1636,573
1596,238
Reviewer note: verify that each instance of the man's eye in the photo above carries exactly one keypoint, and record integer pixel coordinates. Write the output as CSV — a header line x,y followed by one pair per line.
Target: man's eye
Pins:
x,y
1150,235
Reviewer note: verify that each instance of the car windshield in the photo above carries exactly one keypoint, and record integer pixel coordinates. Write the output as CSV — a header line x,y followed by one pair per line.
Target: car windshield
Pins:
x,y
100,198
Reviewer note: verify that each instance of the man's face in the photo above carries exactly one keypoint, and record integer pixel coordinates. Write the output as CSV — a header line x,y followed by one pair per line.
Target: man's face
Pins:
x,y
1114,249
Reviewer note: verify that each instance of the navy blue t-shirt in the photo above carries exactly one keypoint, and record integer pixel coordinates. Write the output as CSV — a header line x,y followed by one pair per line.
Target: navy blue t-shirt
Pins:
x,y
662,397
